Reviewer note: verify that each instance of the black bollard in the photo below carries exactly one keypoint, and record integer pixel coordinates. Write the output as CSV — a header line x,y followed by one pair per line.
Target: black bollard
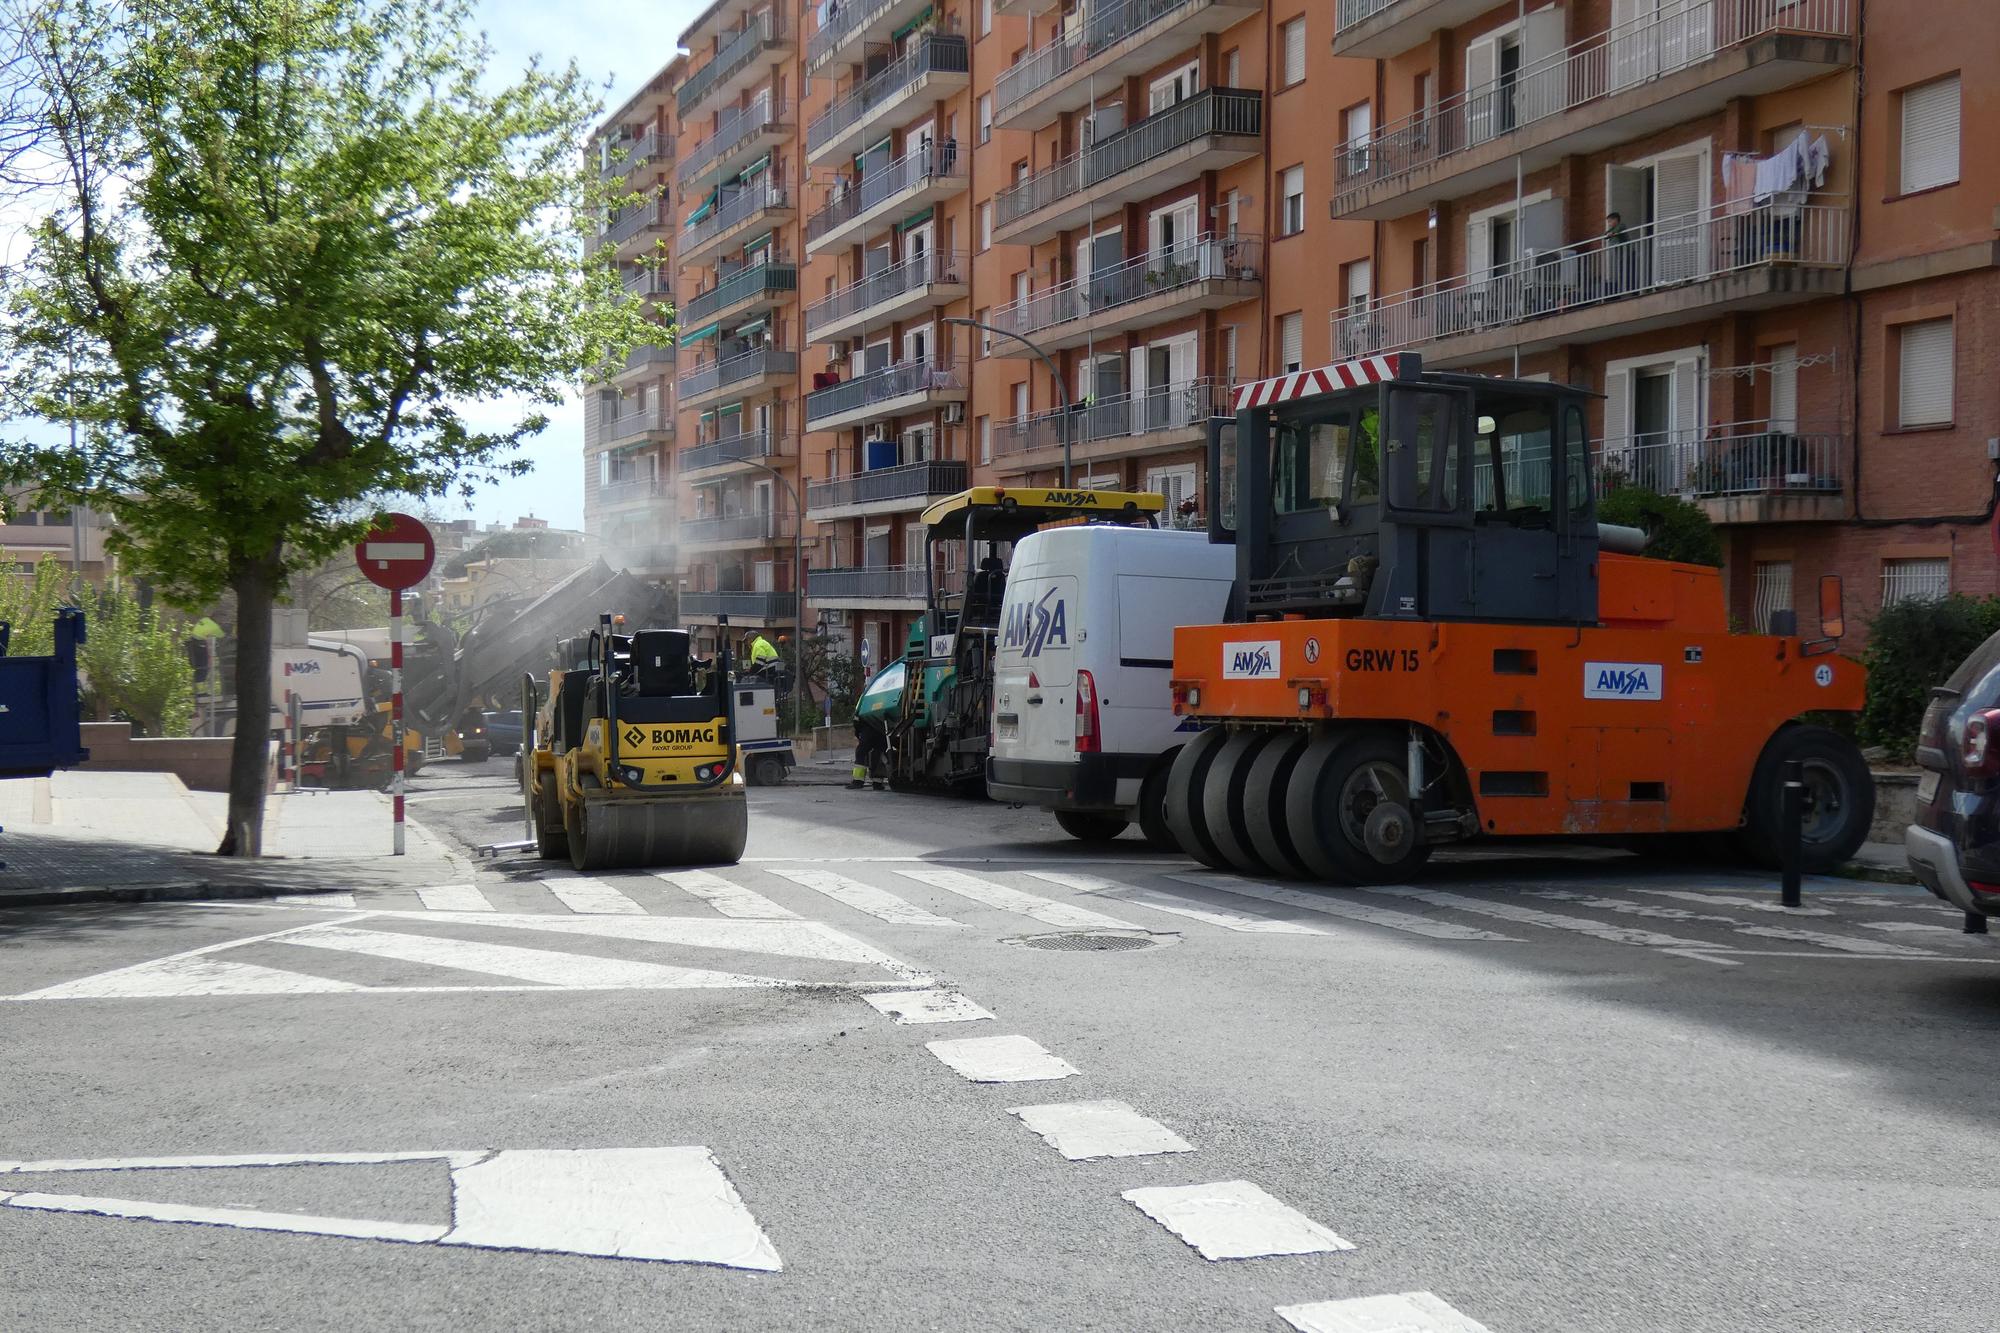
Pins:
x,y
1975,923
1792,830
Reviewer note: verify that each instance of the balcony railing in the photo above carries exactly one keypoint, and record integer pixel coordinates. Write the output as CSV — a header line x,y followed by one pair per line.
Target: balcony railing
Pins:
x,y
1171,407
632,425
1600,65
936,53
625,492
1212,111
737,528
732,128
629,155
631,221
735,54
1103,26
885,285
1714,462
841,23
762,279
745,203
760,606
885,582
914,170
750,365
643,355
647,281
883,386
1207,258
755,445
1652,258
1350,12
911,481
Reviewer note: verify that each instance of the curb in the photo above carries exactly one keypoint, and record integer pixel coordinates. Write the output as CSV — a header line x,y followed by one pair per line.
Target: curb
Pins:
x,y
1877,874
174,891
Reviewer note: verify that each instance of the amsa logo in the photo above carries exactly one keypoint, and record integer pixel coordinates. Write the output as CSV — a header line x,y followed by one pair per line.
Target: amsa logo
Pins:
x,y
1258,660
309,667
1034,626
1622,680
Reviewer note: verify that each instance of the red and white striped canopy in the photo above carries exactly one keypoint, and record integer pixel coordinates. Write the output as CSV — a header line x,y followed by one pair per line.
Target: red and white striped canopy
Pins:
x,y
1327,379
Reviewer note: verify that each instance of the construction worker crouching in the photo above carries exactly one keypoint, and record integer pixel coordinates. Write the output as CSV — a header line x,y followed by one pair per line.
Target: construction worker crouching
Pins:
x,y
871,753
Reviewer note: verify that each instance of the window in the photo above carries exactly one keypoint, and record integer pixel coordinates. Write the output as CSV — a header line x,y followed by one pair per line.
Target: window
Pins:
x,y
1229,357
1293,35
1930,135
984,316
1783,417
1307,461
985,17
1922,580
1020,400
1232,69
1291,340
1292,189
1773,592
1021,285
985,117
986,439
1020,171
1924,374
1355,281
1173,89
986,225
1357,125
1175,483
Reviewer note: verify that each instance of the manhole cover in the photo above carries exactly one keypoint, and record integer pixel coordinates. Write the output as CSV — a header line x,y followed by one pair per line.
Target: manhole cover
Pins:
x,y
1094,941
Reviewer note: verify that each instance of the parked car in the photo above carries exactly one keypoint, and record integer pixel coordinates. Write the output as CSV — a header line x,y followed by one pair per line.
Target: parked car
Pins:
x,y
470,733
1954,847
503,731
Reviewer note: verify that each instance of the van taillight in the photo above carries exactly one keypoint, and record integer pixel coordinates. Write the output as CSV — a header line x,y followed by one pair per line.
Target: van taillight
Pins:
x,y
1086,713
1979,753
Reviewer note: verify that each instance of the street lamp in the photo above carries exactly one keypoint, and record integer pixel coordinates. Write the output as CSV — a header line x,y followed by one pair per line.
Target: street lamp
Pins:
x,y
1061,389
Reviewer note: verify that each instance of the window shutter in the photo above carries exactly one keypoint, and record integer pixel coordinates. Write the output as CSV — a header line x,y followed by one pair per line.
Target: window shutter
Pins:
x,y
1291,342
1478,247
1617,441
1482,68
1925,396
1360,278
1295,51
1930,135
1784,389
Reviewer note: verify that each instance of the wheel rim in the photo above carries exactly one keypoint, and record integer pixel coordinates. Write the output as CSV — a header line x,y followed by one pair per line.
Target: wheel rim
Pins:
x,y
1826,801
1367,786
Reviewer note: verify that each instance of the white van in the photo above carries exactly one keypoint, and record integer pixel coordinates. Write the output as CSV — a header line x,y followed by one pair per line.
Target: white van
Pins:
x,y
1083,719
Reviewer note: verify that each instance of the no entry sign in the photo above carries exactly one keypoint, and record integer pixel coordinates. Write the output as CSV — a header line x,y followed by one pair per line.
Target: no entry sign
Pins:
x,y
397,554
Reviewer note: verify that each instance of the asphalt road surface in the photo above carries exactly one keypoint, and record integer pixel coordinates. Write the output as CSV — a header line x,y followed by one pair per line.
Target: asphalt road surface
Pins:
x,y
928,1064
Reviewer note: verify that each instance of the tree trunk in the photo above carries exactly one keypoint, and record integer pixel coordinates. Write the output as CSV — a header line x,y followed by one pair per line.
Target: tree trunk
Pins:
x,y
249,759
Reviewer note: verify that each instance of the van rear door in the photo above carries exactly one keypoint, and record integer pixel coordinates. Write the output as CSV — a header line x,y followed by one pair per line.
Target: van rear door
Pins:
x,y
1034,697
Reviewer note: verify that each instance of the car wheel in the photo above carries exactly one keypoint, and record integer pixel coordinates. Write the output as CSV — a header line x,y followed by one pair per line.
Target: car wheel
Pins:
x,y
1090,825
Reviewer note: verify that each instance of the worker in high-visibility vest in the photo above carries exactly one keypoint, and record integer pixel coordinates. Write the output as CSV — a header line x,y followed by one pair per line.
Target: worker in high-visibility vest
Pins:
x,y
761,652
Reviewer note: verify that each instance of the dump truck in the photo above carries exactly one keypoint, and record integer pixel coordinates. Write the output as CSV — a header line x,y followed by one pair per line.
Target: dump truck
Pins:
x,y
1431,639
41,721
935,703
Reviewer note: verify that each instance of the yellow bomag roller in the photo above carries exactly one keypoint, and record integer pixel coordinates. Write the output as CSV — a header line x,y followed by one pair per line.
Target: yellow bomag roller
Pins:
x,y
632,761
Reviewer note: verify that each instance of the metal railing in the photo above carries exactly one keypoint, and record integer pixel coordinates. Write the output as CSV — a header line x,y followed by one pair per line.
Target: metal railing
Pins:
x,y
1206,258
914,170
631,221
1652,258
884,581
1600,65
732,128
1348,13
935,53
910,481
761,279
735,53
748,445
1100,28
1211,111
884,385
1167,407
1740,458
736,368
755,527
745,203
624,492
631,425
885,285
765,606
845,21
649,354
628,155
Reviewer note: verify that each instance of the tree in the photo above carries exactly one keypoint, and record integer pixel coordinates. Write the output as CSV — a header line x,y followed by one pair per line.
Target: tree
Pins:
x,y
1678,530
287,239
133,658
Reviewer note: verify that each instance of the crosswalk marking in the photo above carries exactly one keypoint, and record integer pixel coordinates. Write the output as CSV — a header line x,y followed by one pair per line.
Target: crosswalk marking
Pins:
x,y
1084,1131
189,976
927,1006
878,903
583,894
1332,903
1233,1219
542,966
321,899
454,898
728,898
1734,900
1167,902
1063,916
1534,916
1819,939
1012,1059
1402,1312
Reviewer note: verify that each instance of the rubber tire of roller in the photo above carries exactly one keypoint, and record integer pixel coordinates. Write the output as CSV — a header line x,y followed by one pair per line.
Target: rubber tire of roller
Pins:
x,y
768,771
1185,811
1763,826
1222,801
1152,813
551,839
1264,803
1311,799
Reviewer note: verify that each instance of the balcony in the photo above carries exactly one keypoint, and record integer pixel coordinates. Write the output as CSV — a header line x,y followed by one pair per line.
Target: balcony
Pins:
x,y
1111,42
647,283
649,559
1743,473
1607,89
752,289
1206,273
634,223
885,490
1673,272
651,423
632,490
1211,129
1119,426
741,135
741,372
737,530
741,59
855,23
914,386
1378,29
921,282
912,182
885,587
732,215
743,608
732,452
937,64
1022,8
644,359
627,157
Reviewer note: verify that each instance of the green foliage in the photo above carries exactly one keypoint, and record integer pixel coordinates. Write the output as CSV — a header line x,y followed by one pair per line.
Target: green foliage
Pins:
x,y
1679,529
133,660
1914,646
28,604
518,544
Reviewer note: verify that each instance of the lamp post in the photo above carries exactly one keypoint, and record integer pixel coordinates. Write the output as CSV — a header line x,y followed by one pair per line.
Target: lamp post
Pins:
x,y
1062,389
798,570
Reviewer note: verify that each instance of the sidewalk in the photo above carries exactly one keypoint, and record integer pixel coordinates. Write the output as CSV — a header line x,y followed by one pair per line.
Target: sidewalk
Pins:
x,y
88,836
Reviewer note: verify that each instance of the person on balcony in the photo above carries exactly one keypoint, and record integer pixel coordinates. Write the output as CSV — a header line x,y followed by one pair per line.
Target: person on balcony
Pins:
x,y
1616,247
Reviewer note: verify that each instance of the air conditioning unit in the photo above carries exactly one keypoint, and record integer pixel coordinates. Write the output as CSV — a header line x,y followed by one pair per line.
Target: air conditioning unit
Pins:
x,y
954,414
836,351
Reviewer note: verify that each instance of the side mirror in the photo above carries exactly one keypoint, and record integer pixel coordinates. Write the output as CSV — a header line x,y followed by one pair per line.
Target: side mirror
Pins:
x,y
1832,620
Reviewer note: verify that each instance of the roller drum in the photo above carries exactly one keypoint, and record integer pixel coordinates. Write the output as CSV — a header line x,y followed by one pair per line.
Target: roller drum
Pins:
x,y
615,834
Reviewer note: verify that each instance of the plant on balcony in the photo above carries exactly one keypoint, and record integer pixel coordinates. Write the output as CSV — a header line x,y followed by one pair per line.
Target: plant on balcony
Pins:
x,y
1170,275
1677,529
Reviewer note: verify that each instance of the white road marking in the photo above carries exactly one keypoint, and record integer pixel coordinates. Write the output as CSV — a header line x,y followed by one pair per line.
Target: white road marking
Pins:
x,y
1000,1059
545,966
1914,928
1063,916
1734,900
1082,1131
670,1204
1531,916
927,1006
248,1219
454,898
1178,906
878,903
580,893
1233,1219
190,976
1817,938
1404,1312
321,899
202,952
1333,903
725,897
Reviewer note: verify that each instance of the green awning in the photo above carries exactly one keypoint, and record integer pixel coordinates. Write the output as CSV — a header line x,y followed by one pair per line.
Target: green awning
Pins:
x,y
862,156
708,415
757,325
727,408
915,218
705,331
763,240
707,206
910,27
755,169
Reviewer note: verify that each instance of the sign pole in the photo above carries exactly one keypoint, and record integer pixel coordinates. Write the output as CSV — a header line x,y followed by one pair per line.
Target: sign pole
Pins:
x,y
396,708
396,555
